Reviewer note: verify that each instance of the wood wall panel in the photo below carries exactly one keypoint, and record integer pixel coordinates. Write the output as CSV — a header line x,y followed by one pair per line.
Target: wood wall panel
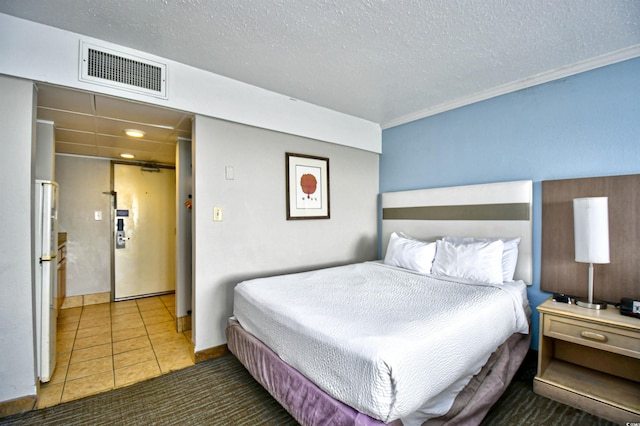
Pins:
x,y
560,272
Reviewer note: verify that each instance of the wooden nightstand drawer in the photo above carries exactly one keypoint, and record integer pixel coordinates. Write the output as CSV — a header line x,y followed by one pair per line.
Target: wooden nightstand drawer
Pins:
x,y
590,360
604,337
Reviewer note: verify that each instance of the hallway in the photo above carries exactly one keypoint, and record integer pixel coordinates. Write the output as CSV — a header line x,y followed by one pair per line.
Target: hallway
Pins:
x,y
110,345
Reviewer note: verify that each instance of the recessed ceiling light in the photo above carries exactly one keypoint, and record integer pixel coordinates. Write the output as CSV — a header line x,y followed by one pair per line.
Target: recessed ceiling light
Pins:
x,y
127,156
134,133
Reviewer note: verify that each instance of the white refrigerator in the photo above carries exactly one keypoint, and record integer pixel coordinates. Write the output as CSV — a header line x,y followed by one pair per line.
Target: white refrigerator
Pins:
x,y
46,274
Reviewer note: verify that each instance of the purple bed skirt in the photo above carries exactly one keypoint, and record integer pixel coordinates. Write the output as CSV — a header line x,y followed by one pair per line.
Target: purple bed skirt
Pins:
x,y
309,405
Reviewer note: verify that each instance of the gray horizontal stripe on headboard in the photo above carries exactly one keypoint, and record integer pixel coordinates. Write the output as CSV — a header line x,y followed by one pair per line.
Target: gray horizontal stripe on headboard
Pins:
x,y
511,211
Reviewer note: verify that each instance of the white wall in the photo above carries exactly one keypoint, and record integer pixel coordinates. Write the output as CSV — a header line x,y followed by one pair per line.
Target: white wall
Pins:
x,y
254,238
82,182
17,335
47,54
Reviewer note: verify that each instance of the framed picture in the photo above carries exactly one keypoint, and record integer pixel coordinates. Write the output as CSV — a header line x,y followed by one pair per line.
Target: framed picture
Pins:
x,y
307,187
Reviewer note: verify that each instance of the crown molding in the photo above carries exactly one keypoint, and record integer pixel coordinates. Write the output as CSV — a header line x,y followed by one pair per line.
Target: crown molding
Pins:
x,y
545,77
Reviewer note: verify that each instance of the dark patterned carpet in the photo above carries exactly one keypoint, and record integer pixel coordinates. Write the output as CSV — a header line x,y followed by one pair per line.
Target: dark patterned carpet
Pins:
x,y
221,392
520,406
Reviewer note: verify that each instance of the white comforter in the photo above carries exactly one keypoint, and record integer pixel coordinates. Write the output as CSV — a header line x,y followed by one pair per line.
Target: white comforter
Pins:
x,y
388,342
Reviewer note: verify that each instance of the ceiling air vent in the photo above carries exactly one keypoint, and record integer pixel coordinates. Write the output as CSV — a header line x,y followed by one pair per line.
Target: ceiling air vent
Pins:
x,y
122,71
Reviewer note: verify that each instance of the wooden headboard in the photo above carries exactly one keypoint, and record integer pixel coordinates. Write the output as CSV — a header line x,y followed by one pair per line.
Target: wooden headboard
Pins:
x,y
486,210
560,272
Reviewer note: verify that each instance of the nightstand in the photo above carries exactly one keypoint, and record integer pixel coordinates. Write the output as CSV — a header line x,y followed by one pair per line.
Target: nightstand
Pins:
x,y
590,359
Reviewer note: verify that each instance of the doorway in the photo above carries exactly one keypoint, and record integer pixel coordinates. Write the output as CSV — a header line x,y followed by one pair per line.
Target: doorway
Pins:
x,y
89,138
145,231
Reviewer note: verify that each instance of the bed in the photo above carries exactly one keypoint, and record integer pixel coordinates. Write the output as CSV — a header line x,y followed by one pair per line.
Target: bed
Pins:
x,y
431,334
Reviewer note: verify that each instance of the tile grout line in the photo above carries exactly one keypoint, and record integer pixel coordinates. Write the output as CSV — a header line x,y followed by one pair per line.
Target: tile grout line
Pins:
x,y
82,312
64,379
75,336
111,314
68,363
153,349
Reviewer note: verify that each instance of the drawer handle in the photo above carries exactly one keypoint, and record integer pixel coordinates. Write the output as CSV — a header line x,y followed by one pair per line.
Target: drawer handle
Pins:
x,y
593,336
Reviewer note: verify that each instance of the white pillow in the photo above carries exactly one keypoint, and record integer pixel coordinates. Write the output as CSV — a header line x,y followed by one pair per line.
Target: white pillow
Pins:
x,y
478,261
408,253
509,255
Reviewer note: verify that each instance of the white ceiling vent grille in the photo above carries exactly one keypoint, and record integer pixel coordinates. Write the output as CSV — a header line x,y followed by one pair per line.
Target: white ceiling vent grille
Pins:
x,y
123,71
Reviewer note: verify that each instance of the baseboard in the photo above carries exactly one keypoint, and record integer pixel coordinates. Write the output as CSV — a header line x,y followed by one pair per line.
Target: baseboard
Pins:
x,y
19,405
183,323
87,299
210,353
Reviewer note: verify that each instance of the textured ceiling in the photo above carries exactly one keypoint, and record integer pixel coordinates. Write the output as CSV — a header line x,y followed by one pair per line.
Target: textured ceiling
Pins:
x,y
379,60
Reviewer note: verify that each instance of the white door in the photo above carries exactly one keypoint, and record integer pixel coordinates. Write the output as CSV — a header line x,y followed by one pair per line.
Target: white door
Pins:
x,y
145,221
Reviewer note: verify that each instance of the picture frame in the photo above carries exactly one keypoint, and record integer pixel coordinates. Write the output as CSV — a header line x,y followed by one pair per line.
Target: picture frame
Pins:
x,y
307,187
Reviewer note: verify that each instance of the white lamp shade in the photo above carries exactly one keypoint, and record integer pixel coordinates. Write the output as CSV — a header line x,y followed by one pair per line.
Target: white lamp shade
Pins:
x,y
591,229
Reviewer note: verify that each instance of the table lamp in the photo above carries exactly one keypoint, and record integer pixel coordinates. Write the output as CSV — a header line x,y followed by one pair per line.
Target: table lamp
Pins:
x,y
591,233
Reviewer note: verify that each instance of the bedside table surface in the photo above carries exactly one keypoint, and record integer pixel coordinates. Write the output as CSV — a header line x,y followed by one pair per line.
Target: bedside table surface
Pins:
x,y
610,316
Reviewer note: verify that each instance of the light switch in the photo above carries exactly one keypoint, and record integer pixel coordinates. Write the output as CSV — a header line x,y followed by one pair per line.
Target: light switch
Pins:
x,y
228,172
97,215
217,214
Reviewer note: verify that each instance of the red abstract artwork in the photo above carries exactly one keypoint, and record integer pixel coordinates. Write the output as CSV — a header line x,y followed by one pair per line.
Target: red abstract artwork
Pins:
x,y
309,184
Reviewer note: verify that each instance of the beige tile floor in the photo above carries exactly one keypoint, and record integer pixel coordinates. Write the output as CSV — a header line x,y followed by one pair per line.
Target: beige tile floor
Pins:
x,y
110,345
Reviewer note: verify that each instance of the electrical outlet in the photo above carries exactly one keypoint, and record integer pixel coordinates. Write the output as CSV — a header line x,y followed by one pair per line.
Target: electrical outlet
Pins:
x,y
217,214
97,215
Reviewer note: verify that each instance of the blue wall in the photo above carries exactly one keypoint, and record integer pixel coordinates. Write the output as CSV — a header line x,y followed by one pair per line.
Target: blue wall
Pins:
x,y
581,126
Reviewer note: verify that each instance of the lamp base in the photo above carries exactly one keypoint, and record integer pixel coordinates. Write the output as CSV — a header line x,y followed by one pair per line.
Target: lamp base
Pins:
x,y
594,304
